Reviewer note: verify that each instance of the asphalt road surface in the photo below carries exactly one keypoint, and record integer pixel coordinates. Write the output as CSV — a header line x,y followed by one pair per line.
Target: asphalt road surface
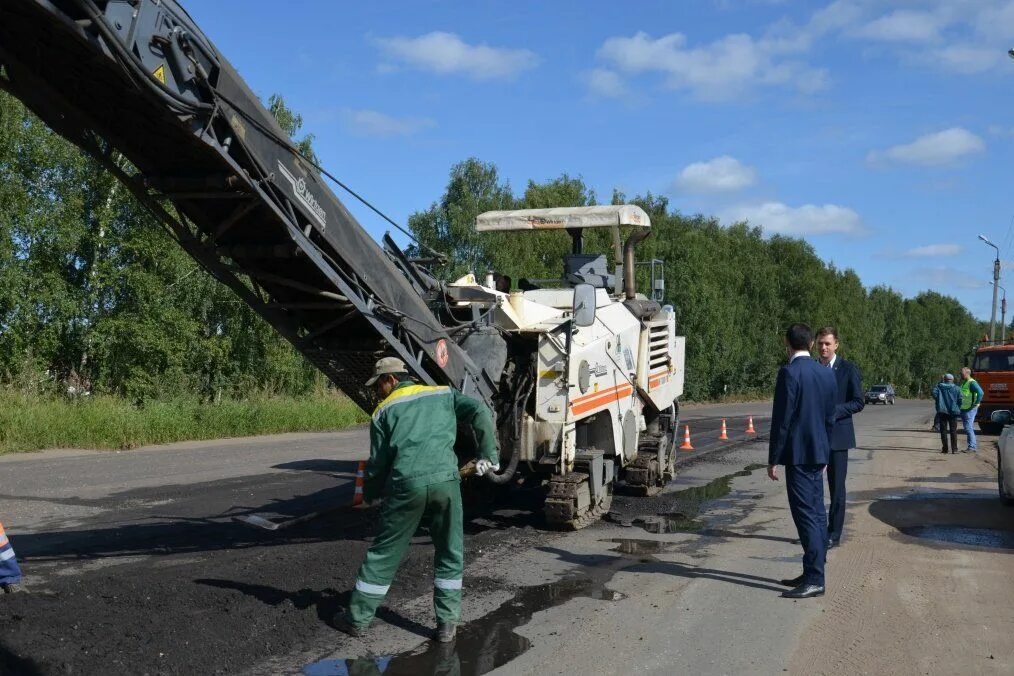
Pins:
x,y
135,564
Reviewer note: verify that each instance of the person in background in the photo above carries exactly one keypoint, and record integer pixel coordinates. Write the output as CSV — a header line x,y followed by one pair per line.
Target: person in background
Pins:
x,y
936,413
10,573
971,395
848,402
947,397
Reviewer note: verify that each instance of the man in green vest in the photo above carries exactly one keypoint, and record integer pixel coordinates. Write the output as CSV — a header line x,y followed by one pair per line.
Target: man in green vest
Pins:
x,y
971,395
413,465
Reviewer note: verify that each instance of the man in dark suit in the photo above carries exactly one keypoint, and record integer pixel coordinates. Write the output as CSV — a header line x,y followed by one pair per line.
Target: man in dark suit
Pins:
x,y
801,421
848,401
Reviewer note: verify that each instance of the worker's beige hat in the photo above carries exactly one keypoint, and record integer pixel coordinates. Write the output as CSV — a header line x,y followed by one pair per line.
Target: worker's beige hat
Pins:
x,y
385,366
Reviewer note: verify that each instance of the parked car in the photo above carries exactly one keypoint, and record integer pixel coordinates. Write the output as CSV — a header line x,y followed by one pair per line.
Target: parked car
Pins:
x,y
880,394
1005,456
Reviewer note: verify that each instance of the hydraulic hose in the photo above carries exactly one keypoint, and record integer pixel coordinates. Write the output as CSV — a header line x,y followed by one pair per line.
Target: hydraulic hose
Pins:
x,y
507,474
522,397
130,61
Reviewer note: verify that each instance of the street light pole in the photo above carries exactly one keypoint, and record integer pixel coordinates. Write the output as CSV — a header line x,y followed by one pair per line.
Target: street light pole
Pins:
x,y
996,280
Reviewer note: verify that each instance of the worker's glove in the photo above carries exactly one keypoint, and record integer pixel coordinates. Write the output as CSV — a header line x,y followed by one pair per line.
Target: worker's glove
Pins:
x,y
483,466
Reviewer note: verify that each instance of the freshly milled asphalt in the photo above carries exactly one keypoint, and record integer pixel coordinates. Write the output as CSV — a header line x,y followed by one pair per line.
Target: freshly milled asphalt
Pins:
x,y
135,565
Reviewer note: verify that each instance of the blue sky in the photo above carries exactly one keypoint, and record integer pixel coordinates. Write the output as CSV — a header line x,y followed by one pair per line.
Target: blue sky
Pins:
x,y
881,132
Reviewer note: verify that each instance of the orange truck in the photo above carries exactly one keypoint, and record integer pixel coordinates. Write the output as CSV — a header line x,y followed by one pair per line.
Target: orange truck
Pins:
x,y
993,367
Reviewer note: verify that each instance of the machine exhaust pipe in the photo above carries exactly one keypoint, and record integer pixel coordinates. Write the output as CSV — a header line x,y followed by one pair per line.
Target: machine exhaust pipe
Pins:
x,y
629,287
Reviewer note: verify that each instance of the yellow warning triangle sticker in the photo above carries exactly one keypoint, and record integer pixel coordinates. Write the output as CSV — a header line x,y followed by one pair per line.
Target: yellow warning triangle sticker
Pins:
x,y
160,73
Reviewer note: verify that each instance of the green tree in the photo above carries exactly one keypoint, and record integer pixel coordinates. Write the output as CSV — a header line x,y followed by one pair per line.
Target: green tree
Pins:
x,y
291,123
95,290
733,290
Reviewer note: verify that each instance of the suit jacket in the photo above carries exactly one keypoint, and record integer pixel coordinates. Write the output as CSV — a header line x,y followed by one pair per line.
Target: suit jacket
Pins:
x,y
803,414
849,401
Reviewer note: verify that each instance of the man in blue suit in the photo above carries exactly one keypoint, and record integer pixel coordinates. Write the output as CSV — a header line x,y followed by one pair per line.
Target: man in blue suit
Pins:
x,y
848,401
801,422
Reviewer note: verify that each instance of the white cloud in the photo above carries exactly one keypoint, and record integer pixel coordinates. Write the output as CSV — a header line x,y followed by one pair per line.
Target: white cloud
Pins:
x,y
724,69
971,34
933,250
968,60
937,149
960,36
809,219
722,174
993,19
374,123
904,26
605,83
446,53
943,276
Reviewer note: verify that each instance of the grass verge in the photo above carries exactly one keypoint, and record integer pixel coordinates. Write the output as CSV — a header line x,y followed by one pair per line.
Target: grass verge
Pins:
x,y
29,423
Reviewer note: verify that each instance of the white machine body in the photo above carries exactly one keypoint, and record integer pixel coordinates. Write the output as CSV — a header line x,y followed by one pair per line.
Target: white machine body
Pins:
x,y
598,385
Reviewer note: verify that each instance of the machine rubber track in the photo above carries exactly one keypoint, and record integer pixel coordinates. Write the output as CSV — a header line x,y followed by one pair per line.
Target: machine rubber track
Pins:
x,y
563,508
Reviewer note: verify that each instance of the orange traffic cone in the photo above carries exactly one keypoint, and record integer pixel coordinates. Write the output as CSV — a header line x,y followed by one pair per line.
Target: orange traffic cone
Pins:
x,y
357,498
724,436
686,440
749,426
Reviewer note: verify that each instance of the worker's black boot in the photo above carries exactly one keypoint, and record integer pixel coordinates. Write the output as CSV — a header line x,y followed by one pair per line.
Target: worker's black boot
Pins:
x,y
446,632
10,587
344,625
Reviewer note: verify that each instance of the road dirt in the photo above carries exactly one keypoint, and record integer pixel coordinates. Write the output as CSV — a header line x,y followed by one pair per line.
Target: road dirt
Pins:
x,y
157,578
926,583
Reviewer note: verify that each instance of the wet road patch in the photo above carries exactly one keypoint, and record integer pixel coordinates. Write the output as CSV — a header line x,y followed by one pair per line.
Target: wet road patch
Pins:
x,y
941,518
489,642
682,507
974,537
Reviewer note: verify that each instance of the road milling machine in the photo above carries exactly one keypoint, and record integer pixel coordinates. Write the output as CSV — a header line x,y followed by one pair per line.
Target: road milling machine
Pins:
x,y
582,374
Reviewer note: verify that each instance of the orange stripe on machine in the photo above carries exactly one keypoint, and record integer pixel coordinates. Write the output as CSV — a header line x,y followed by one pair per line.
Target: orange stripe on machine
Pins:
x,y
658,378
599,399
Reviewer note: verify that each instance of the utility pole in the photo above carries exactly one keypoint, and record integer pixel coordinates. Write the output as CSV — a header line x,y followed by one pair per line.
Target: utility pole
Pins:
x,y
996,281
1003,313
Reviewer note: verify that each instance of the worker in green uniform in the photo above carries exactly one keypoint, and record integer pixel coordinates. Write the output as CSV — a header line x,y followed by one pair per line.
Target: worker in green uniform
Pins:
x,y
413,465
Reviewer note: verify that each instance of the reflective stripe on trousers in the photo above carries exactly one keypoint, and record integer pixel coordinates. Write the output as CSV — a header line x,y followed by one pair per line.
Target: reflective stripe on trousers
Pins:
x,y
375,589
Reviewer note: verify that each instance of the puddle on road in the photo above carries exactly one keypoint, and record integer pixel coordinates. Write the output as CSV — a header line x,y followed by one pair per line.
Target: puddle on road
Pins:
x,y
685,505
939,495
669,523
976,537
645,548
490,641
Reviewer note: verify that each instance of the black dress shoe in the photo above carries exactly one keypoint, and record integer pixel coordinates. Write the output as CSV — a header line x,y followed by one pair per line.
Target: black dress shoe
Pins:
x,y
794,582
804,591
831,544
